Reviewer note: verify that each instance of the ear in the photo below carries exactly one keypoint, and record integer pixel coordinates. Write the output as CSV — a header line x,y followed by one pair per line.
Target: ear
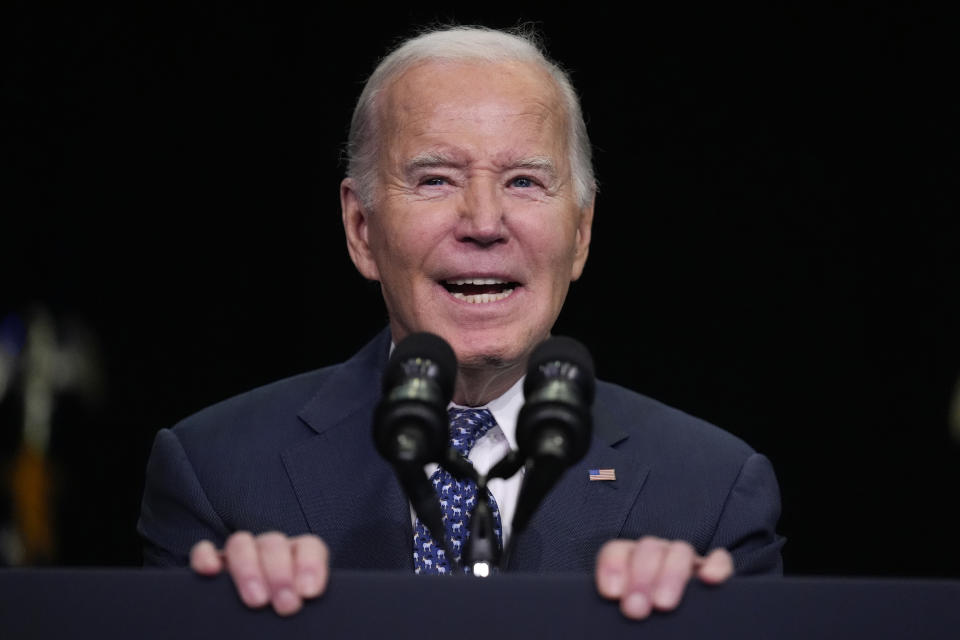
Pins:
x,y
356,227
582,241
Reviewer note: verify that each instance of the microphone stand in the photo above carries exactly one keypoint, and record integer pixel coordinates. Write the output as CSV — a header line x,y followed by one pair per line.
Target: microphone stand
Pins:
x,y
482,552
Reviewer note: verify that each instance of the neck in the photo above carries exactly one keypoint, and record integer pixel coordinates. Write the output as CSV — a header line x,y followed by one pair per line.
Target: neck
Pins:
x,y
477,386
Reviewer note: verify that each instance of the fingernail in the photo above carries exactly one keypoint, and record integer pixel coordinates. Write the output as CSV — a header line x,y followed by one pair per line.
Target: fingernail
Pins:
x,y
211,563
714,574
255,592
614,583
636,605
308,585
285,601
665,598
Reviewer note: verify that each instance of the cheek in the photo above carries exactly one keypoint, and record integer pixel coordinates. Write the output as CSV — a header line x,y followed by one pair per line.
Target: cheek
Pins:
x,y
399,251
558,252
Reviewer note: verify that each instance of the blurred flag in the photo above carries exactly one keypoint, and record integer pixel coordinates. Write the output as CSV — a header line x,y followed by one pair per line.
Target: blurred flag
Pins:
x,y
41,362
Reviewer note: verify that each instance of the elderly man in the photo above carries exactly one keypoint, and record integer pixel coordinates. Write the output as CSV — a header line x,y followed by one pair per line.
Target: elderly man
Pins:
x,y
469,198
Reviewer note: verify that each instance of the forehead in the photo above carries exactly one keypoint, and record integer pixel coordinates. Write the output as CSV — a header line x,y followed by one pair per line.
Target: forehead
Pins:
x,y
473,102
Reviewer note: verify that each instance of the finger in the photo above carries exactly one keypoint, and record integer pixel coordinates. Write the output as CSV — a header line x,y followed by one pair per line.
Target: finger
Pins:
x,y
644,566
311,562
276,560
611,572
717,567
675,573
243,564
205,559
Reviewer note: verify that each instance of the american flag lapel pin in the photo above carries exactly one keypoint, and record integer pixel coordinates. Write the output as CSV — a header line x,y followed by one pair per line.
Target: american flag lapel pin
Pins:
x,y
603,474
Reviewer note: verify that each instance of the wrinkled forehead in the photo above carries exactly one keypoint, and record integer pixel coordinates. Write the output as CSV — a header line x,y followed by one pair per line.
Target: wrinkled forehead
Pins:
x,y
418,98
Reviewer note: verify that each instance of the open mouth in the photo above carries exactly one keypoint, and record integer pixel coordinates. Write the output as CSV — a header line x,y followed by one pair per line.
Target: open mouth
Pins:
x,y
479,290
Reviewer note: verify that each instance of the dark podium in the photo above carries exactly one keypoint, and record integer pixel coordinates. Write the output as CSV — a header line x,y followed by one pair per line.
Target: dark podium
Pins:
x,y
173,603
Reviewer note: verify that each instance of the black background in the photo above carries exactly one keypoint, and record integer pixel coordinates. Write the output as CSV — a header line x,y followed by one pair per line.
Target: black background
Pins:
x,y
775,247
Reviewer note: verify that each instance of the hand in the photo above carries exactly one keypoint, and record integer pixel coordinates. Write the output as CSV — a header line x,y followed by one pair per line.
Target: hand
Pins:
x,y
652,573
269,568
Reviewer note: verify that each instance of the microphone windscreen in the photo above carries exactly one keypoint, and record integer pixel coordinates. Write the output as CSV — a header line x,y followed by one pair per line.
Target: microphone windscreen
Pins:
x,y
423,347
576,365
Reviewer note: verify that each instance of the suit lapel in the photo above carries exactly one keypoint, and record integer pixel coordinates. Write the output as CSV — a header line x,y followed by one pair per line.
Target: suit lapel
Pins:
x,y
349,495
578,514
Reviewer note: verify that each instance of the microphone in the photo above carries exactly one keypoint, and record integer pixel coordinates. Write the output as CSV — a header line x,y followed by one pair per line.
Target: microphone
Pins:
x,y
411,426
555,423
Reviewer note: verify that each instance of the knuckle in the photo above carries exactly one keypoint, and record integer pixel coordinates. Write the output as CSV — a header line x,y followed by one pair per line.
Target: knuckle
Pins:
x,y
309,540
613,547
238,541
204,546
614,554
651,545
682,547
309,550
271,540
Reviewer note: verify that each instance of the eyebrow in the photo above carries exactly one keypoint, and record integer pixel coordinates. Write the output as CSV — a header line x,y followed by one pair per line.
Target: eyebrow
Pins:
x,y
431,160
536,163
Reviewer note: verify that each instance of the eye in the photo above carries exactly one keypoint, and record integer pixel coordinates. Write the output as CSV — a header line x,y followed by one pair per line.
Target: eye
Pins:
x,y
523,182
434,181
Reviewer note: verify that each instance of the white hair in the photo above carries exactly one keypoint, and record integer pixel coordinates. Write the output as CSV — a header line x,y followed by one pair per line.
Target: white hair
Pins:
x,y
463,44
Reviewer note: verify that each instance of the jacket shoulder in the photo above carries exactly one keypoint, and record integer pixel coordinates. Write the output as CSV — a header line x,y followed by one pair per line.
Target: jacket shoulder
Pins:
x,y
269,416
620,413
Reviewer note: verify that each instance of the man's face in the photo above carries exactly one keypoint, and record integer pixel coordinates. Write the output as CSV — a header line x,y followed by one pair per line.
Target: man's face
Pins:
x,y
475,233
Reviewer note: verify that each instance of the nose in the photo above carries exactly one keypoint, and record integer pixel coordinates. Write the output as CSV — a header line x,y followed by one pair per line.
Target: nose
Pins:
x,y
481,218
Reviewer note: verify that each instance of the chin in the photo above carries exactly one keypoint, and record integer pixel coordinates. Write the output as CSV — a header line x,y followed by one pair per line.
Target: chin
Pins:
x,y
483,361
490,353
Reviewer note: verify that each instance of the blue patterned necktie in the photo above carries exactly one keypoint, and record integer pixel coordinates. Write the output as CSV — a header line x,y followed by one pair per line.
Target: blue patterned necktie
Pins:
x,y
457,498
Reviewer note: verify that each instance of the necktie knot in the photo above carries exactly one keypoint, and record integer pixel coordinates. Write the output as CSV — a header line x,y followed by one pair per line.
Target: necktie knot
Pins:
x,y
467,426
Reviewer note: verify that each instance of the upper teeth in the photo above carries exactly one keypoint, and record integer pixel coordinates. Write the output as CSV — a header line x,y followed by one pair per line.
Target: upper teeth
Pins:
x,y
477,281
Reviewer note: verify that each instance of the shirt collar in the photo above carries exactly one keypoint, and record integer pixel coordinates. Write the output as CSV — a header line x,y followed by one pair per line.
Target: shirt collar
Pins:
x,y
505,410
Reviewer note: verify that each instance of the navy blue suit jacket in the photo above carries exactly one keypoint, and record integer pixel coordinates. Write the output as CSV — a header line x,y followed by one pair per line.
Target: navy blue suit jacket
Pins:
x,y
297,456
